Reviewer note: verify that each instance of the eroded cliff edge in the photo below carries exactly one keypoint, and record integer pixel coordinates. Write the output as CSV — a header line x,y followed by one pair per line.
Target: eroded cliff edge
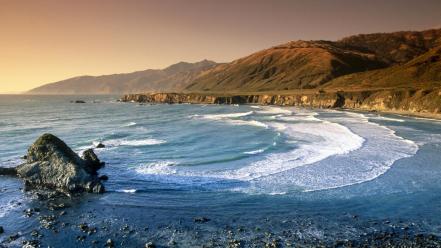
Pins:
x,y
424,102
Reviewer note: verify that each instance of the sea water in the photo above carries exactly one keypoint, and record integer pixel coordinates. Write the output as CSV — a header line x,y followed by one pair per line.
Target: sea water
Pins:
x,y
263,169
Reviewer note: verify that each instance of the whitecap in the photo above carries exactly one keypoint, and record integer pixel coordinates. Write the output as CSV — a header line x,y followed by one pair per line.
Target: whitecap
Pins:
x,y
8,205
130,124
232,118
130,191
137,142
222,116
274,110
157,168
255,151
319,141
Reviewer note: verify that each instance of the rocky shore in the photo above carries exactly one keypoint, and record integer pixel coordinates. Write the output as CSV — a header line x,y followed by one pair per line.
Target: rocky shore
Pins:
x,y
52,166
424,102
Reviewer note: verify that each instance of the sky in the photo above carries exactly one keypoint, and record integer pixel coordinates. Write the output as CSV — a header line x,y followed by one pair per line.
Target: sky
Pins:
x,y
50,40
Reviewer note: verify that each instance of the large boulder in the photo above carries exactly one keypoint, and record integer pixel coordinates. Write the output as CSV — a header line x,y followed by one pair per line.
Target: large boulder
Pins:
x,y
51,164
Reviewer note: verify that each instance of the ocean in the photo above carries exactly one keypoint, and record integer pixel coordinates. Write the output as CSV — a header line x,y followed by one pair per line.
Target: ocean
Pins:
x,y
209,175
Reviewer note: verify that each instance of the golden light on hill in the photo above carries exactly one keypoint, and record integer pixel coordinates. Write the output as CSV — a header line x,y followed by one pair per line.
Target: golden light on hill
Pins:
x,y
50,40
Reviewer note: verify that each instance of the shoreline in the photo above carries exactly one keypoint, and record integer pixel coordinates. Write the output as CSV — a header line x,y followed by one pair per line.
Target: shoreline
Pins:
x,y
409,103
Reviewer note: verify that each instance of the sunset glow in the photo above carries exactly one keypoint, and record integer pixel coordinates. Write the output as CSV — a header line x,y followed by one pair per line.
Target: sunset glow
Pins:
x,y
46,41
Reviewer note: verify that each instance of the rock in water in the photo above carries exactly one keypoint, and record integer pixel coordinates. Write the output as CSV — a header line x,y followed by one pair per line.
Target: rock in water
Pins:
x,y
92,161
100,145
8,171
51,164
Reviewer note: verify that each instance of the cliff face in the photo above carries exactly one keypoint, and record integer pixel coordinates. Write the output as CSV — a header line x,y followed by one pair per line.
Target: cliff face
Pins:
x,y
417,102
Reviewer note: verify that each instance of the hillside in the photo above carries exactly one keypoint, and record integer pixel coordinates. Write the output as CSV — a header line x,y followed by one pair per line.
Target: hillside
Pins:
x,y
172,78
295,65
397,47
421,72
310,64
405,59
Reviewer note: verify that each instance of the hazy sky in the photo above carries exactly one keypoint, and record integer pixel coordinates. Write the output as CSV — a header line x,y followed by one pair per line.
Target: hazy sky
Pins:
x,y
42,41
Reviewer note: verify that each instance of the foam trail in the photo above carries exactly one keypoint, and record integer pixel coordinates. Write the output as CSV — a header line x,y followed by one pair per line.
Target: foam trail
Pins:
x,y
157,168
130,191
331,152
320,140
130,124
139,142
274,110
383,118
382,147
222,116
255,151
232,119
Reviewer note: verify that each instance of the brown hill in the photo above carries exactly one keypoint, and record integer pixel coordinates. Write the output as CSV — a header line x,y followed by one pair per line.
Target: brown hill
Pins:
x,y
309,64
397,47
172,78
423,71
299,64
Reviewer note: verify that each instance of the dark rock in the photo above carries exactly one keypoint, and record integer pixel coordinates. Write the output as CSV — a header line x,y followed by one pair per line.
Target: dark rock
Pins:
x,y
100,145
93,164
8,171
79,101
2,230
104,178
201,219
13,237
31,243
51,164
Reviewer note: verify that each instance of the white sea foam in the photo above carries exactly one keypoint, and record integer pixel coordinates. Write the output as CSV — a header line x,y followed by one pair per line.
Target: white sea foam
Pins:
x,y
157,168
255,107
9,204
382,147
138,142
331,152
383,118
249,123
223,116
130,191
255,151
319,141
274,110
130,124
300,117
233,119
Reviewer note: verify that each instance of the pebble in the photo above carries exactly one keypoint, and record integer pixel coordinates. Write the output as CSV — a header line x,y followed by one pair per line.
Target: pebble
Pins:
x,y
150,245
109,243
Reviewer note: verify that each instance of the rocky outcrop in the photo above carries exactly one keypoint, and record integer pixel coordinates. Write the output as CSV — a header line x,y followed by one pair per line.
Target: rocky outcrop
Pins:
x,y
418,102
51,164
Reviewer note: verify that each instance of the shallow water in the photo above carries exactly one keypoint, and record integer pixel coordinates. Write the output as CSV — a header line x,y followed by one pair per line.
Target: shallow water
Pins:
x,y
305,173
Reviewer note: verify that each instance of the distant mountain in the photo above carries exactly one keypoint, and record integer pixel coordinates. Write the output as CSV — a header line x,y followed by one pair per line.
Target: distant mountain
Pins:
x,y
310,64
363,62
173,78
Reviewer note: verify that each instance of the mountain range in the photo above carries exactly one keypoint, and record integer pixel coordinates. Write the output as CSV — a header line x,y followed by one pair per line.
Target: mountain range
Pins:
x,y
407,59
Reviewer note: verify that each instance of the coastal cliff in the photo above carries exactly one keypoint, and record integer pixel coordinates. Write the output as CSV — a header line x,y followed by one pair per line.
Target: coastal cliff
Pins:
x,y
426,102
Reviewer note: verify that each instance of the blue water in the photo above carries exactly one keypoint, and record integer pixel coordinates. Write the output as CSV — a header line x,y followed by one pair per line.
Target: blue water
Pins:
x,y
257,172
